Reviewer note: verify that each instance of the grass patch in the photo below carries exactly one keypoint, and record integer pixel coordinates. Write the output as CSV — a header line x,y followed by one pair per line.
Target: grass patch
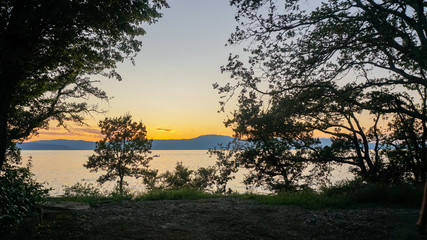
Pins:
x,y
92,200
343,195
175,195
307,199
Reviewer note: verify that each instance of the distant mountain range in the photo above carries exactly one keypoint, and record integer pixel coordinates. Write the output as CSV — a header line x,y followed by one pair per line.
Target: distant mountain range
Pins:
x,y
204,142
59,144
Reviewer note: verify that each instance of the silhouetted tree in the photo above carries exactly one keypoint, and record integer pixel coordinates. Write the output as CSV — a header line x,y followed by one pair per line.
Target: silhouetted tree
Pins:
x,y
50,51
340,113
363,45
227,163
278,143
122,152
407,144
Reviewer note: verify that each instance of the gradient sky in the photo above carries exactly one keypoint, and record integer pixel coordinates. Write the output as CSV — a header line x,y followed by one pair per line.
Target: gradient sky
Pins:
x,y
170,87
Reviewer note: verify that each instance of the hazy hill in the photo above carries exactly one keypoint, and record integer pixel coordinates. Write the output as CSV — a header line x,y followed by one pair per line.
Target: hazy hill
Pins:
x,y
199,143
59,144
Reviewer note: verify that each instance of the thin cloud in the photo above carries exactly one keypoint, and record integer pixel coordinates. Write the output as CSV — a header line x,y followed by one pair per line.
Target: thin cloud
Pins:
x,y
90,130
165,130
73,132
56,133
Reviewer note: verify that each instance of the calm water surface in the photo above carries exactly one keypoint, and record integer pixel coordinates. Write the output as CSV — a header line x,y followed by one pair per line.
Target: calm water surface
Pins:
x,y
65,168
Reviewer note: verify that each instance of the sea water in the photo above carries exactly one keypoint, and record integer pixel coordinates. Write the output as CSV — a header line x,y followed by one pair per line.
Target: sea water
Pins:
x,y
60,168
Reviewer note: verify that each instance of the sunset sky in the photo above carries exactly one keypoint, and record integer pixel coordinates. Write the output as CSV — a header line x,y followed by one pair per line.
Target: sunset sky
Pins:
x,y
170,88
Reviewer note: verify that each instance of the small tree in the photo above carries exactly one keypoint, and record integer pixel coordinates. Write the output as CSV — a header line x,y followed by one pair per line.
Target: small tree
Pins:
x,y
122,152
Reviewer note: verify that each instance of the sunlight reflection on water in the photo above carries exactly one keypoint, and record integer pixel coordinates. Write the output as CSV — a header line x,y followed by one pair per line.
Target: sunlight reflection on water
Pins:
x,y
59,168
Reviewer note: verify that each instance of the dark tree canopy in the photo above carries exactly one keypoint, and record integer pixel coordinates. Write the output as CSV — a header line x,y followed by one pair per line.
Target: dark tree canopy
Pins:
x,y
323,66
376,43
50,49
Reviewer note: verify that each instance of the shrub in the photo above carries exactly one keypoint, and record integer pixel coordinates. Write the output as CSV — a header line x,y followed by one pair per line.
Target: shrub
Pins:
x,y
358,192
343,188
81,190
181,178
164,194
20,193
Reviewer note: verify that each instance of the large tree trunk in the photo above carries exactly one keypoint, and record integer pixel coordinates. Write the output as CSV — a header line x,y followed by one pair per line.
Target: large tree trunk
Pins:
x,y
422,220
8,84
3,141
121,186
5,98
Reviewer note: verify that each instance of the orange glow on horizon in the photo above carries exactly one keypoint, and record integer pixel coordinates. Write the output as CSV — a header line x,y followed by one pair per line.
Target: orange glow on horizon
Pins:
x,y
93,133
166,131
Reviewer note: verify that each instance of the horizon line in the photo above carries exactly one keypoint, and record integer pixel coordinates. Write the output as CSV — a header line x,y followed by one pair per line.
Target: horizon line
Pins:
x,y
150,139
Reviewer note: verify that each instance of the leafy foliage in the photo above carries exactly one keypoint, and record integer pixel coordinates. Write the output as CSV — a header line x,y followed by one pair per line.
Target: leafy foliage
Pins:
x,y
226,164
181,178
295,42
406,150
122,152
81,190
324,68
51,50
271,158
20,193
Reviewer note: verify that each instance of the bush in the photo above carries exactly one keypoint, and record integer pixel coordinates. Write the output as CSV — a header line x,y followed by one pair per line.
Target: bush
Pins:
x,y
20,193
359,192
81,190
87,192
344,188
181,178
163,194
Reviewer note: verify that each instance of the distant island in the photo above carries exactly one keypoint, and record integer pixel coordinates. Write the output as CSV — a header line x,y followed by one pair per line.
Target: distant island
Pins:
x,y
203,142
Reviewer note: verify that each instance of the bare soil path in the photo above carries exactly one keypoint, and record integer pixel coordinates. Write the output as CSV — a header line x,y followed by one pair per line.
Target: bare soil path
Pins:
x,y
224,218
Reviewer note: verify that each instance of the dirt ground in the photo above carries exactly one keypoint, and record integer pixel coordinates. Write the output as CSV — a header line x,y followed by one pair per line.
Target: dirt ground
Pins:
x,y
222,218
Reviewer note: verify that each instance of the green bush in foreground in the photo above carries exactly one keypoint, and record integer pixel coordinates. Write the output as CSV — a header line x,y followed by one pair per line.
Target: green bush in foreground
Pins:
x,y
19,194
79,192
87,192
